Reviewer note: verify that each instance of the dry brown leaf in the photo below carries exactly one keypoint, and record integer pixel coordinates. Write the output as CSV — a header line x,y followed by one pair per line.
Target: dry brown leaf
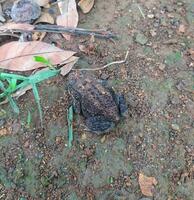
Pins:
x,y
69,15
3,132
42,2
191,51
21,26
18,56
147,184
182,28
44,18
86,5
67,68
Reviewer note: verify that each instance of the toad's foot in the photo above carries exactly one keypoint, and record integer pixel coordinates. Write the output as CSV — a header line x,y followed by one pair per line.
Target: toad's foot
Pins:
x,y
99,124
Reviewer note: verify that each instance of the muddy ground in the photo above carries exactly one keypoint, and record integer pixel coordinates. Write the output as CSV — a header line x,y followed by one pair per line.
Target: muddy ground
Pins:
x,y
157,137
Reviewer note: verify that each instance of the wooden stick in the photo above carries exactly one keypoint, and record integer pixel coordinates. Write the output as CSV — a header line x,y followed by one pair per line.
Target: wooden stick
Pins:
x,y
61,29
105,66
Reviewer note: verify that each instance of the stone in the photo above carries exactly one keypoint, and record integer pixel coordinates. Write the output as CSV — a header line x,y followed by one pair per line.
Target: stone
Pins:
x,y
175,127
25,11
150,16
153,32
162,66
141,39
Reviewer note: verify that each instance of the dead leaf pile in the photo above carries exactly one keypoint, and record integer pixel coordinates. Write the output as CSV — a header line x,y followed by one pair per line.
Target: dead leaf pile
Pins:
x,y
147,184
26,11
20,55
26,14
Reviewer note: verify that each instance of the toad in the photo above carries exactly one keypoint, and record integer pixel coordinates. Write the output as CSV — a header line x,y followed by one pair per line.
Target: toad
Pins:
x,y
98,103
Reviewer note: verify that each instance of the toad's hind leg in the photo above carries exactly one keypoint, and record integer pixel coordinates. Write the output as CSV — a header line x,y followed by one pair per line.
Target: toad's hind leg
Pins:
x,y
99,124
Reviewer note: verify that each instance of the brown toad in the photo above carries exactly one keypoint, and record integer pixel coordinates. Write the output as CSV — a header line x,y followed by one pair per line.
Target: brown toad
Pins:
x,y
100,106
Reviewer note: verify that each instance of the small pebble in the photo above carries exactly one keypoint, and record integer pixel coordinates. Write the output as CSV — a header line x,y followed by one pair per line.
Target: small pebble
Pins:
x,y
25,11
153,32
180,3
141,38
181,28
3,132
150,16
83,136
175,127
162,66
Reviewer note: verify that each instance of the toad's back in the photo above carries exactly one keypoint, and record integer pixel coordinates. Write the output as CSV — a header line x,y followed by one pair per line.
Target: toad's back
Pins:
x,y
94,98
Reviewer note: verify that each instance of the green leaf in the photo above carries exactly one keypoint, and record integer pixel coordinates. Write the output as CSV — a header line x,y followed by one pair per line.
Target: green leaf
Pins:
x,y
43,60
70,126
42,75
5,76
13,104
173,58
12,86
37,99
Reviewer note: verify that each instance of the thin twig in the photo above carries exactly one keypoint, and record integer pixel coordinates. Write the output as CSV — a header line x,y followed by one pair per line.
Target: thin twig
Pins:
x,y
9,34
61,29
141,11
107,65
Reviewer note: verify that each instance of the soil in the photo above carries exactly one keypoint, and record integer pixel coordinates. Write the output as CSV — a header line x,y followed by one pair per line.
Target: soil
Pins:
x,y
157,137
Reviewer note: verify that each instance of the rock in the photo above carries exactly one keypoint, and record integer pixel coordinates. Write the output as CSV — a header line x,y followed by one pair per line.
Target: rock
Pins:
x,y
144,199
151,16
180,3
180,85
3,132
153,32
181,28
25,11
175,127
104,76
162,66
163,22
141,38
175,100
15,126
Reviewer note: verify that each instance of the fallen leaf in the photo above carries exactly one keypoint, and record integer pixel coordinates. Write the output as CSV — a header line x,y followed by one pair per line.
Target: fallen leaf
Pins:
x,y
67,68
18,56
42,2
21,26
182,28
45,18
82,48
147,184
69,15
89,49
3,132
191,51
86,5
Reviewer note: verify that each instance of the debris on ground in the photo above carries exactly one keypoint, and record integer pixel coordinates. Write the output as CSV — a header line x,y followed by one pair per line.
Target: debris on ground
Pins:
x,y
143,50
